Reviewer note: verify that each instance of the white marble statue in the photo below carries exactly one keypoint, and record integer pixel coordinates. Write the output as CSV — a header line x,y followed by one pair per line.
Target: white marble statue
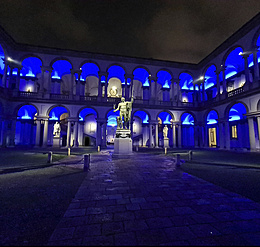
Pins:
x,y
56,129
165,131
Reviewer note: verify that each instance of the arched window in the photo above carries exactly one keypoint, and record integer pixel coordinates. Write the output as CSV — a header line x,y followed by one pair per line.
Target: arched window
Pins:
x,y
212,117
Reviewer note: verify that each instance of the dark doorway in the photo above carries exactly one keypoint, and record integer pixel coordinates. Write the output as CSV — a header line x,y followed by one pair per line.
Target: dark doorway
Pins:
x,y
87,141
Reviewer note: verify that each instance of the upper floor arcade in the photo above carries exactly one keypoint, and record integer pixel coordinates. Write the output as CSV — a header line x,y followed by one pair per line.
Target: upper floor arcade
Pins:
x,y
33,73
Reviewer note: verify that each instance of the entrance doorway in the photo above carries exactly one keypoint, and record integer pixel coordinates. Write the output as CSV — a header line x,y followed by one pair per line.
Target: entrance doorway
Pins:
x,y
212,137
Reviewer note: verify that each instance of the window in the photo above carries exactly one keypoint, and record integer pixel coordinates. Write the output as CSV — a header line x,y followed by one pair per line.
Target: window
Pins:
x,y
234,132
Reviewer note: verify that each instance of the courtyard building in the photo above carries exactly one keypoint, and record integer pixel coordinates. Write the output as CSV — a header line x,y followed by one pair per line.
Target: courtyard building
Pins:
x,y
212,104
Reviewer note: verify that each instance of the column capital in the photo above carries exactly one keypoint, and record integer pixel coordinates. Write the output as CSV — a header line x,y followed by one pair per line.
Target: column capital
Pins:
x,y
153,78
101,120
131,76
100,73
222,68
176,80
153,122
42,117
73,119
46,68
73,71
245,55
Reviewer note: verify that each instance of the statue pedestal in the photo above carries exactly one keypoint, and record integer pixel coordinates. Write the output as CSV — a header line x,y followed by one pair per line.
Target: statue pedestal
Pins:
x,y
166,142
123,147
56,141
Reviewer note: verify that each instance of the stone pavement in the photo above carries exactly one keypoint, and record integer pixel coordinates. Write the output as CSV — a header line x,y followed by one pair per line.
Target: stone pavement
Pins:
x,y
147,200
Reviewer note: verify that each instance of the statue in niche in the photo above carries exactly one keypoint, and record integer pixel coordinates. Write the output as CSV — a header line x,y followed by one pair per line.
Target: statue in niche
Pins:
x,y
125,107
56,129
165,132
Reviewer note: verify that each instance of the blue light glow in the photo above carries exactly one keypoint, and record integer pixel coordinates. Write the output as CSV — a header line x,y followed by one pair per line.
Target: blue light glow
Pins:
x,y
165,117
210,77
85,112
187,119
164,78
89,69
31,66
186,81
2,58
26,112
141,75
116,71
56,112
142,115
234,63
146,83
111,118
212,117
236,112
60,68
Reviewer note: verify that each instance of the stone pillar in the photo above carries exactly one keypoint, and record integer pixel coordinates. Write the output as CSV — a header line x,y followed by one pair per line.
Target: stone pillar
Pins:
x,y
256,65
76,126
18,79
104,137
251,134
203,90
156,135
224,79
179,135
4,75
177,90
38,132
218,84
99,86
78,83
196,135
245,57
151,134
45,133
42,80
43,70
106,85
130,88
258,126
174,135
155,89
227,135
69,134
98,134
12,133
206,137
172,90
100,122
221,133
72,81
10,79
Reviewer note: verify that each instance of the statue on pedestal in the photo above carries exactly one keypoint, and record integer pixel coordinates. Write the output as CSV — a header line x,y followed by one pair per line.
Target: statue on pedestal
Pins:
x,y
56,129
125,107
165,131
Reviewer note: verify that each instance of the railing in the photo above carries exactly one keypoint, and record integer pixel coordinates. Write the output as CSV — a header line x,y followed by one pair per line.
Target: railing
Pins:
x,y
236,91
88,98
59,96
28,94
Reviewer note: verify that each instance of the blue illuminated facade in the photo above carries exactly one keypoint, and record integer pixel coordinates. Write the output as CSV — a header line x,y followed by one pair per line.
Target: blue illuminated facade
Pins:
x,y
212,104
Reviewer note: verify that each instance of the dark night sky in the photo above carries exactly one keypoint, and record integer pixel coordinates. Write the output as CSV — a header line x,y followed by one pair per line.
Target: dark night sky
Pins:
x,y
176,30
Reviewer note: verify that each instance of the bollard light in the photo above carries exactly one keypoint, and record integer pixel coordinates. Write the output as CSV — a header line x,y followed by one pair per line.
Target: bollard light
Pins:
x,y
165,150
68,151
49,157
86,162
98,148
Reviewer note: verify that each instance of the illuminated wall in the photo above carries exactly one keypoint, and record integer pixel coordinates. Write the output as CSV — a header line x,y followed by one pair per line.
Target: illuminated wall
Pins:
x,y
187,130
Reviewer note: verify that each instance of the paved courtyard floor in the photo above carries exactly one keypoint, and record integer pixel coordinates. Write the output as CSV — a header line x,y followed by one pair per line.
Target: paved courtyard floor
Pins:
x,y
147,200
